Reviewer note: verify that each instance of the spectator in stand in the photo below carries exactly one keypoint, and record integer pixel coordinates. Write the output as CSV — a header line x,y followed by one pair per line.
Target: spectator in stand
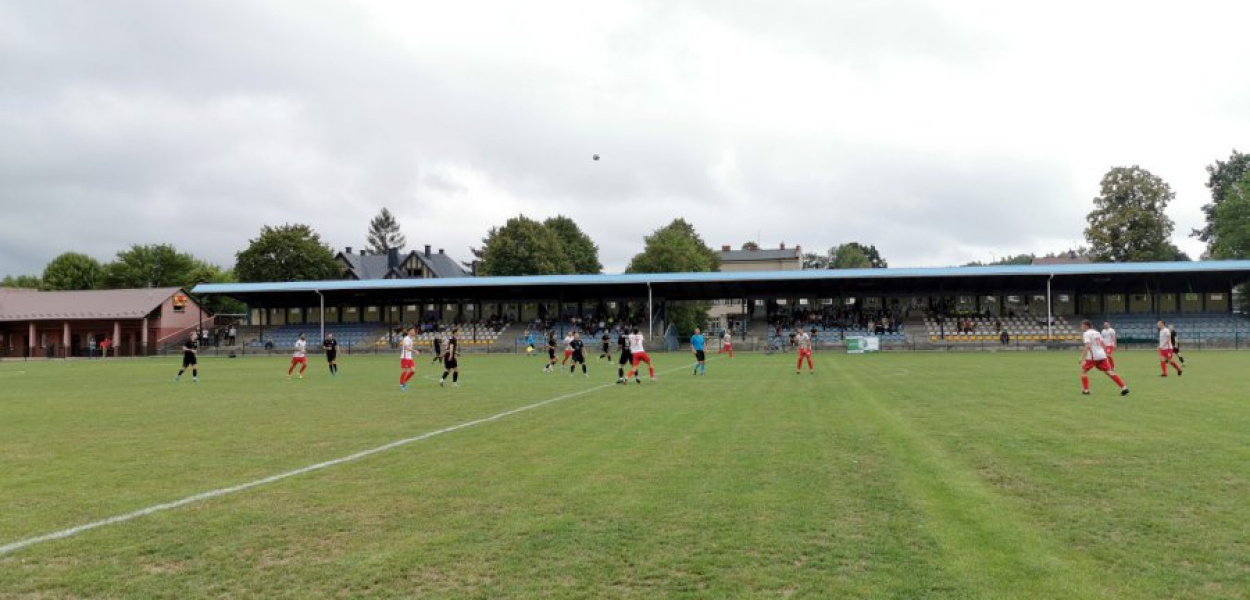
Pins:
x,y
105,346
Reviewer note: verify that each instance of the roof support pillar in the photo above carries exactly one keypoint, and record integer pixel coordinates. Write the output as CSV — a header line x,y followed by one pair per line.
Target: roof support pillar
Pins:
x,y
65,338
30,339
143,338
117,336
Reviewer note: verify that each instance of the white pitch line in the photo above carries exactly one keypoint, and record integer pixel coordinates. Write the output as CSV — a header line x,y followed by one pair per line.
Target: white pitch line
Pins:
x,y
72,531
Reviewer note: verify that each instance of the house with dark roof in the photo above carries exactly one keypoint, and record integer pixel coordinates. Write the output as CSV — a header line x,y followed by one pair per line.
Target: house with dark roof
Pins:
x,y
63,324
761,259
394,265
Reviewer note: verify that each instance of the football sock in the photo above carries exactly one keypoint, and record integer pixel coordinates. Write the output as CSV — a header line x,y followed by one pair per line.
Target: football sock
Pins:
x,y
1118,381
583,367
455,377
1085,382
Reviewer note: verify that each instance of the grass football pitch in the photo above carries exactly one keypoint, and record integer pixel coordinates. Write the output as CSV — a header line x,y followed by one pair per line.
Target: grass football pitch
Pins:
x,y
881,476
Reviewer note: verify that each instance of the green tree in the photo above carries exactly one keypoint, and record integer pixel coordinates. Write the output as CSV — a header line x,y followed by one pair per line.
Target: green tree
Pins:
x,y
869,251
750,246
286,253
811,260
1128,223
851,255
674,248
1019,259
522,246
206,272
30,282
72,271
1221,177
155,265
677,248
1230,223
384,233
576,245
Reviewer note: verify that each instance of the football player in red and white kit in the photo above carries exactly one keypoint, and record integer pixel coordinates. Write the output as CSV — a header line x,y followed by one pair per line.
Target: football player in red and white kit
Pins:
x,y
639,355
407,364
568,348
1108,342
1166,351
804,343
1094,356
727,344
300,357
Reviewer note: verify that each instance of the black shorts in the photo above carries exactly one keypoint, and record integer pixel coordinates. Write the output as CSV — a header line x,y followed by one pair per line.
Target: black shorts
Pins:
x,y
578,357
607,349
627,358
551,354
700,356
332,355
450,362
188,359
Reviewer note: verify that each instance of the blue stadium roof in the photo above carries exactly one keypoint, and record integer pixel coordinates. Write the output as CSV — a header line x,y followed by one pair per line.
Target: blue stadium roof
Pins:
x,y
733,281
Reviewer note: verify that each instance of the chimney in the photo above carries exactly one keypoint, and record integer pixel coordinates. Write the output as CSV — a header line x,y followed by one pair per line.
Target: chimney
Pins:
x,y
349,250
783,245
427,250
798,250
362,252
440,250
473,267
392,258
724,248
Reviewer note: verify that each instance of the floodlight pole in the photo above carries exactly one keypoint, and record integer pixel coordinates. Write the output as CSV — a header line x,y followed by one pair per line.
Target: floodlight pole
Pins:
x,y
1050,316
321,314
650,314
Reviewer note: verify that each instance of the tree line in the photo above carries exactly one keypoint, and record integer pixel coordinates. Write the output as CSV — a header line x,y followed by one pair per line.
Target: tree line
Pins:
x,y
1127,224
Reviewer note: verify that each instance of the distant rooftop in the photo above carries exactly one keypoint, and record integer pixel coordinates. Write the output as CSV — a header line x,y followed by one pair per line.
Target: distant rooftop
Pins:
x,y
86,304
728,254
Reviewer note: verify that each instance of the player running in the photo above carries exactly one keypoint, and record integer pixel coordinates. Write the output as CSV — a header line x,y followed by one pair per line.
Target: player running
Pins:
x,y
331,347
639,355
622,342
1166,351
299,357
579,355
438,347
189,359
551,353
1108,342
803,342
407,365
1176,342
529,343
727,344
605,346
568,347
1094,356
697,346
451,363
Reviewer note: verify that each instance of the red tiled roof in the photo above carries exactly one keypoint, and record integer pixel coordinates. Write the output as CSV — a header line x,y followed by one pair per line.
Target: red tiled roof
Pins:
x,y
87,304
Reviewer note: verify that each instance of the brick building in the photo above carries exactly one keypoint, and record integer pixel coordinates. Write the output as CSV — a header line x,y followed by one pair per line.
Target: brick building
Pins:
x,y
62,324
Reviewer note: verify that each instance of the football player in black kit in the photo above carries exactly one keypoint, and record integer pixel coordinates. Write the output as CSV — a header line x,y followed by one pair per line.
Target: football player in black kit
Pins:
x,y
551,353
331,347
627,357
579,354
450,362
606,344
189,360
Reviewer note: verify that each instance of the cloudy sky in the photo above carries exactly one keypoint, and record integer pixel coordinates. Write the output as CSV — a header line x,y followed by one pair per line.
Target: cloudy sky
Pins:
x,y
941,132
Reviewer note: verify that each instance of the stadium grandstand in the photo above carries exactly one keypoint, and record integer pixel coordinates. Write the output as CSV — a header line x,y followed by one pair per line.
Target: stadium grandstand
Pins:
x,y
985,306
